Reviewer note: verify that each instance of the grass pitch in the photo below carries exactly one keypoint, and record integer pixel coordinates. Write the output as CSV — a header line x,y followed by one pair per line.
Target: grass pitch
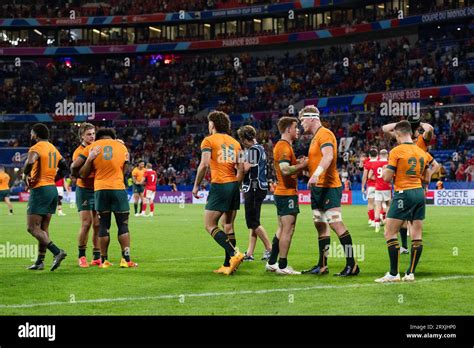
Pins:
x,y
176,258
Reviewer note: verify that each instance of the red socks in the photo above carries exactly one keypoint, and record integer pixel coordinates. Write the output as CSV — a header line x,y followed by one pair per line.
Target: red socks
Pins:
x,y
371,214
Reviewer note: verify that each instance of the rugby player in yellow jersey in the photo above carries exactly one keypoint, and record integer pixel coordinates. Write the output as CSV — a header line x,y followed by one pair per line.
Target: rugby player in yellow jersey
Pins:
x,y
221,153
421,136
138,175
109,157
85,200
410,166
287,168
5,189
44,166
326,192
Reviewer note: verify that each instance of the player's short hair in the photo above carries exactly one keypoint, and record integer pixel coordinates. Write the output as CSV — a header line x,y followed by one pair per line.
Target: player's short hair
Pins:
x,y
221,121
383,152
309,111
403,127
41,131
141,161
149,165
247,133
105,132
373,152
285,122
84,127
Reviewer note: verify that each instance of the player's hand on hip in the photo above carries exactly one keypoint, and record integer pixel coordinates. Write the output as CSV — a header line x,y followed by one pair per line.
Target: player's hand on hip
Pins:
x,y
196,192
312,181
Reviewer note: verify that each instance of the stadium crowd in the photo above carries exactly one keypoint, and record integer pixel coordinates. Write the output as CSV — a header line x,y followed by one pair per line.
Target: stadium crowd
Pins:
x,y
175,156
152,88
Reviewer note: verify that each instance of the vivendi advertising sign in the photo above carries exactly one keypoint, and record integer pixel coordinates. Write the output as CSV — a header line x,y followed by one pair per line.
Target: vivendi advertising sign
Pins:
x,y
174,197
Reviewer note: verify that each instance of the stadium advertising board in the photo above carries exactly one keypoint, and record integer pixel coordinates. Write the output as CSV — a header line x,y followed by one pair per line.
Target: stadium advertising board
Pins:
x,y
454,198
24,196
202,197
171,197
13,156
448,14
304,197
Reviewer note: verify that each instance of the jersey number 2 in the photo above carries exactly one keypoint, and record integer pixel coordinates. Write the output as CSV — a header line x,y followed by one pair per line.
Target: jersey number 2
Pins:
x,y
413,162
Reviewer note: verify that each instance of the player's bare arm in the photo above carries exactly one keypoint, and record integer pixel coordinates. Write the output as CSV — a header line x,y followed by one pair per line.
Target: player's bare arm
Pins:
x,y
428,131
30,161
201,171
387,174
288,170
240,171
76,166
434,168
389,129
87,167
364,179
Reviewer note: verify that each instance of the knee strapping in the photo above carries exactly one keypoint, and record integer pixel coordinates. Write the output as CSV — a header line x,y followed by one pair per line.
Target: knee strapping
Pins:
x,y
318,216
333,216
122,222
104,223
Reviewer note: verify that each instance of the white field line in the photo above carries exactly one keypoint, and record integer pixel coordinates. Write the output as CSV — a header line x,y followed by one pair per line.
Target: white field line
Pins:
x,y
190,258
228,293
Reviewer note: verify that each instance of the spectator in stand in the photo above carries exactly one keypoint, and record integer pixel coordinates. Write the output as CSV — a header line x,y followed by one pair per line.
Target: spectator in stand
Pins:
x,y
460,172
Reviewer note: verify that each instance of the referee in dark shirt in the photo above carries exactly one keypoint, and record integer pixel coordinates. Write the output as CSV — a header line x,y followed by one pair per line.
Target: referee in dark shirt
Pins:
x,y
255,188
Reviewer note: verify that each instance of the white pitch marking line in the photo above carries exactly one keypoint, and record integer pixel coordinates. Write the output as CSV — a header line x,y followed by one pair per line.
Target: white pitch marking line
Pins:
x,y
214,294
190,258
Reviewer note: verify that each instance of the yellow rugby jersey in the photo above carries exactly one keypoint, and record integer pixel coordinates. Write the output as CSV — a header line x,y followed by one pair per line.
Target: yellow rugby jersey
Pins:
x,y
421,143
224,156
45,168
287,185
330,177
88,182
109,164
4,181
409,162
138,174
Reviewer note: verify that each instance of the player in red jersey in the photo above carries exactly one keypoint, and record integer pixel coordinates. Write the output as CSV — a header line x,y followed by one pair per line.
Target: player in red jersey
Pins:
x,y
150,178
370,191
383,190
60,188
